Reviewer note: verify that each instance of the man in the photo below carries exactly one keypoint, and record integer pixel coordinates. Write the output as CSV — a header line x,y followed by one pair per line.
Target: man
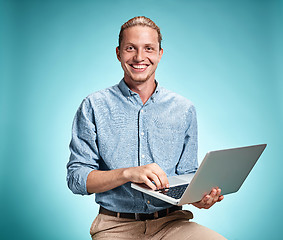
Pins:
x,y
139,132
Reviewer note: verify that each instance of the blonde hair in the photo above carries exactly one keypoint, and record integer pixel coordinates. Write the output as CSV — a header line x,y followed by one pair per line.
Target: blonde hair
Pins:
x,y
140,21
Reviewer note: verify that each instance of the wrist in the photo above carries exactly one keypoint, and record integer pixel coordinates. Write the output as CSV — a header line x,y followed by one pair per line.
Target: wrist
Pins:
x,y
126,174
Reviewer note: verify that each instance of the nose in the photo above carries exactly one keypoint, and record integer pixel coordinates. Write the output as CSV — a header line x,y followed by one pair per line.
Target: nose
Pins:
x,y
139,55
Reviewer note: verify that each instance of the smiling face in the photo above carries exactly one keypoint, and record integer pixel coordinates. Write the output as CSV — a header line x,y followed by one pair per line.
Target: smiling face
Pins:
x,y
139,54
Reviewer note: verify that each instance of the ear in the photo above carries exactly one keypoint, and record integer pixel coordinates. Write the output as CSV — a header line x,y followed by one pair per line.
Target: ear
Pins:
x,y
118,54
160,54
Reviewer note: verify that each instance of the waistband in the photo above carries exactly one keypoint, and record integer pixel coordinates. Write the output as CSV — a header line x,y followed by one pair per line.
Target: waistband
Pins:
x,y
140,216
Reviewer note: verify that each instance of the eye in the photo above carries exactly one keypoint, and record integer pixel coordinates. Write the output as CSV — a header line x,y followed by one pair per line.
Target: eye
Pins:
x,y
149,49
130,48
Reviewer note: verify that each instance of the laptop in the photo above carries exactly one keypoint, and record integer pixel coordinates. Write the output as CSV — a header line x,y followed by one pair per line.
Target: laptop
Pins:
x,y
226,169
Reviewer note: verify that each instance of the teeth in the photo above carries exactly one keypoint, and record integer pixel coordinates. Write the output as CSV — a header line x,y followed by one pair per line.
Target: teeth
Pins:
x,y
139,66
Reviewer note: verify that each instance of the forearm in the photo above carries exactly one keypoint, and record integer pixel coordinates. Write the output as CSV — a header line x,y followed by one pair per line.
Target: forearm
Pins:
x,y
101,181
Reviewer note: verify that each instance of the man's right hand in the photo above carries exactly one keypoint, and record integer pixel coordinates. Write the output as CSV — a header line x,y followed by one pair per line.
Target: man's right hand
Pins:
x,y
148,174
101,181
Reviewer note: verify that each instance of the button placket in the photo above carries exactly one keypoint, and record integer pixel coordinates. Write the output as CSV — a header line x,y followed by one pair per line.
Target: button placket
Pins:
x,y
141,138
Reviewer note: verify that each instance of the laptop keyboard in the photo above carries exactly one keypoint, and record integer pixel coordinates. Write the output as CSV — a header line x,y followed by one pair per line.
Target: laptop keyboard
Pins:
x,y
174,192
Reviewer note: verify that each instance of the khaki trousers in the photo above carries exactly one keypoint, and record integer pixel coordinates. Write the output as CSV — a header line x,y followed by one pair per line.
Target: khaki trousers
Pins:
x,y
174,226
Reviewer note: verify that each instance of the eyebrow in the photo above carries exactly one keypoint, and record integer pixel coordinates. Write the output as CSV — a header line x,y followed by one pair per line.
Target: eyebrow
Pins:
x,y
146,44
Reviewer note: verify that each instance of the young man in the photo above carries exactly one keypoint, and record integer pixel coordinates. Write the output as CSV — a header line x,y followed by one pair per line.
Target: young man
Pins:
x,y
136,131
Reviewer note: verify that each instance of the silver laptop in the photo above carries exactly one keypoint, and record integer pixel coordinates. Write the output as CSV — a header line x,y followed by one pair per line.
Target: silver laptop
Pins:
x,y
226,169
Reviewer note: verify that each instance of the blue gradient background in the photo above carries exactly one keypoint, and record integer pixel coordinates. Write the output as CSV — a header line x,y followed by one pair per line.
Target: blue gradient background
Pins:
x,y
223,55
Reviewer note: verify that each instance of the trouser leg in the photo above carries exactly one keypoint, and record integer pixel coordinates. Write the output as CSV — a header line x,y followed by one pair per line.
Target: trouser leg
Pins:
x,y
109,227
178,226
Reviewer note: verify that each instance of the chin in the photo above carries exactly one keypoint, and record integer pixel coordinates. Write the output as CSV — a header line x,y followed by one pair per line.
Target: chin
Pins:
x,y
140,79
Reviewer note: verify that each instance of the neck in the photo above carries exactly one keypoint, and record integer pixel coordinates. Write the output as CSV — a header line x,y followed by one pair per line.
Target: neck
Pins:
x,y
144,89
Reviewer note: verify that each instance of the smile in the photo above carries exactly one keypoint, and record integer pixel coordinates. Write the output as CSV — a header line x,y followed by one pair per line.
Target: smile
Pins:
x,y
139,66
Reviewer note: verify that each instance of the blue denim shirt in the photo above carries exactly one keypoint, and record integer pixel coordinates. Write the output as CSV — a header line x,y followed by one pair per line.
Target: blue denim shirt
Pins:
x,y
114,129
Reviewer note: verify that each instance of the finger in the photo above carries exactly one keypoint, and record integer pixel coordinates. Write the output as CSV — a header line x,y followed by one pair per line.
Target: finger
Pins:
x,y
204,200
220,198
155,179
164,183
215,194
218,193
163,180
149,183
212,197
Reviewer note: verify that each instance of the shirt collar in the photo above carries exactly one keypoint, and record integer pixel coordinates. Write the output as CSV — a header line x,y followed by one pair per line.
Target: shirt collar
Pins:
x,y
156,92
127,92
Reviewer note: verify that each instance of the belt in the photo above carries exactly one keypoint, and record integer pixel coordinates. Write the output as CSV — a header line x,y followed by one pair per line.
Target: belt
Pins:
x,y
140,216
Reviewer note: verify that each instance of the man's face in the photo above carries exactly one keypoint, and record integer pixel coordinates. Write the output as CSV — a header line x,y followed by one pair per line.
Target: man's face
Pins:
x,y
139,54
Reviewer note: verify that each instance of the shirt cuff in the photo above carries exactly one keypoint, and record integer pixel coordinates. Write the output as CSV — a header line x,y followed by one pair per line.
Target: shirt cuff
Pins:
x,y
77,183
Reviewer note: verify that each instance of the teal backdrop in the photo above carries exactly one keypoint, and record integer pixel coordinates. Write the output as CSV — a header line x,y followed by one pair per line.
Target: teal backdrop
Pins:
x,y
224,55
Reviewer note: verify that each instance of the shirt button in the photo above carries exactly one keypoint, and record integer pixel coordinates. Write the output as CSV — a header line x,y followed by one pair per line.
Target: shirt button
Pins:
x,y
142,111
143,156
148,202
142,133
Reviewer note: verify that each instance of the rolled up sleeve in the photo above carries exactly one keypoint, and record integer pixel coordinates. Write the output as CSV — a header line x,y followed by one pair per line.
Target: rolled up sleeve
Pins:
x,y
84,156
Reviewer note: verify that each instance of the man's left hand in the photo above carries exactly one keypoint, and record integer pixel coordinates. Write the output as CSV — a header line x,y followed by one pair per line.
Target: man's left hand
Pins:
x,y
209,200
